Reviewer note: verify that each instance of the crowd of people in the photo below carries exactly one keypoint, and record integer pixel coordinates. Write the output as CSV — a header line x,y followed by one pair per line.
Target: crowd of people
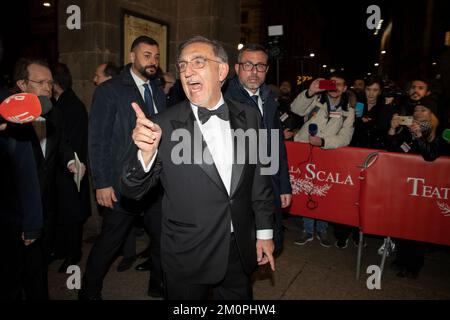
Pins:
x,y
209,225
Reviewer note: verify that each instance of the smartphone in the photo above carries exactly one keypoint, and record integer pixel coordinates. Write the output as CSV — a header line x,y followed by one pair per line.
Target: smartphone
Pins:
x,y
327,85
405,120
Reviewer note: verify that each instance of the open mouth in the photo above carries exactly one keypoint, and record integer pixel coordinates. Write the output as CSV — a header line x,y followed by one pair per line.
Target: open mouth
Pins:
x,y
194,86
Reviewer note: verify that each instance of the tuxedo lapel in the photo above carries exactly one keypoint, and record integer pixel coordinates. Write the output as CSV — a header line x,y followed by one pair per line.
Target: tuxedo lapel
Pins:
x,y
187,121
237,121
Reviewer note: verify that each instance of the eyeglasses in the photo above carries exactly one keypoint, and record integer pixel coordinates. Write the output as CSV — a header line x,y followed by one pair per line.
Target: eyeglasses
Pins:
x,y
42,82
196,63
248,66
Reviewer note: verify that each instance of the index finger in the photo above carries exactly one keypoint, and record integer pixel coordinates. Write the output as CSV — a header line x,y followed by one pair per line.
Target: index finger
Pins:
x,y
271,261
137,110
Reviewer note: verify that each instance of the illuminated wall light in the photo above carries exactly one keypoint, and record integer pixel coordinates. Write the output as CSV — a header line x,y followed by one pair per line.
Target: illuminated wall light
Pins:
x,y
47,4
312,55
434,63
324,66
240,46
376,64
369,74
383,52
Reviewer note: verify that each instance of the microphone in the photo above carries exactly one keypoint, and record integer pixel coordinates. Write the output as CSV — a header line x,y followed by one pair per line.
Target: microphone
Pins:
x,y
24,107
312,128
446,135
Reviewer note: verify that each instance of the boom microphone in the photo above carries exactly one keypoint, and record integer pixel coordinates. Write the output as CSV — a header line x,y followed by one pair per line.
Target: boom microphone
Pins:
x,y
24,107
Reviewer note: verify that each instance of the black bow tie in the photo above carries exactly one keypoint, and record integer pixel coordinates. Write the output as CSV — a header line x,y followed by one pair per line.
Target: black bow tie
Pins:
x,y
204,114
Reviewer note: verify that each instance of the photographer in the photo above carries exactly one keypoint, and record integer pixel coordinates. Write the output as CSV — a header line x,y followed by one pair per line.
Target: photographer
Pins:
x,y
328,124
419,137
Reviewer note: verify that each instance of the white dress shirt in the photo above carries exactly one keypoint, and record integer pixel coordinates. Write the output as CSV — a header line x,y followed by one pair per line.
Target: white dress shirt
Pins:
x,y
40,127
260,104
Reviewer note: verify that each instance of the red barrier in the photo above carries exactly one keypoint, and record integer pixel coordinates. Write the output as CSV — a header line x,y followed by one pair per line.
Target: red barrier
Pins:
x,y
330,178
400,196
406,197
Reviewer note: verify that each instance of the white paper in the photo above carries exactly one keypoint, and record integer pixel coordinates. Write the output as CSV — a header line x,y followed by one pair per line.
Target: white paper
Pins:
x,y
77,175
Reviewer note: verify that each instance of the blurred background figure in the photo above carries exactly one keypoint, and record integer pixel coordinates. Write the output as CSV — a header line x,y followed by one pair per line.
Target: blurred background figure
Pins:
x,y
73,206
105,71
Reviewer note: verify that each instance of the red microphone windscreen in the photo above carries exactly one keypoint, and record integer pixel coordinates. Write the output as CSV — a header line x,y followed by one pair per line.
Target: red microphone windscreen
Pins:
x,y
21,108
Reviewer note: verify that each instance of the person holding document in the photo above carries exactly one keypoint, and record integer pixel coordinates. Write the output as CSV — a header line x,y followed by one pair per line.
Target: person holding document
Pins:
x,y
73,189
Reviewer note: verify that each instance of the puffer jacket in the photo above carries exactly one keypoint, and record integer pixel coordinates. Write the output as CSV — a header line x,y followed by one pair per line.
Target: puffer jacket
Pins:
x,y
336,131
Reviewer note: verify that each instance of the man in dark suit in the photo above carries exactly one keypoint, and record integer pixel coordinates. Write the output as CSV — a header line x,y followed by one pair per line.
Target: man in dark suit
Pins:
x,y
248,87
50,147
110,126
22,272
73,204
217,211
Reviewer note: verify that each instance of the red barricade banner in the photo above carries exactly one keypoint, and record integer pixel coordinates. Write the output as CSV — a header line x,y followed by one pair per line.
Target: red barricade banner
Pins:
x,y
325,183
406,197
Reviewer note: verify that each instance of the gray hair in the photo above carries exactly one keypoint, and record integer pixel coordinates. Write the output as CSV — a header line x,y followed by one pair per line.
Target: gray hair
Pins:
x,y
218,49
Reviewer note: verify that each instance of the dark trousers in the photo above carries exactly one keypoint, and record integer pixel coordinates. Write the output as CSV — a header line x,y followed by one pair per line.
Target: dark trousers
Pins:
x,y
115,228
23,271
410,255
68,242
234,286
129,245
152,223
342,232
278,228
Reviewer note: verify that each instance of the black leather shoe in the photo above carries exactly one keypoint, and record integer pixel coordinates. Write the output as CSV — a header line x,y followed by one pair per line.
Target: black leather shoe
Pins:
x,y
126,264
144,266
66,263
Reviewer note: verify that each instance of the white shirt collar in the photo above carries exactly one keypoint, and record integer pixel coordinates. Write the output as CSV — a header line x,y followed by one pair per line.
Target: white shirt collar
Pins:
x,y
251,93
139,82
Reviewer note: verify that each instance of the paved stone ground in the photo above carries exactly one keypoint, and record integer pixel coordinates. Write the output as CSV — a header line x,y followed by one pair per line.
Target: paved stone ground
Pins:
x,y
303,272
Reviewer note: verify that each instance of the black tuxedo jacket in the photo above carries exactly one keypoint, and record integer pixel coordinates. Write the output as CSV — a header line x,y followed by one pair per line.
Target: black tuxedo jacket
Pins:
x,y
197,209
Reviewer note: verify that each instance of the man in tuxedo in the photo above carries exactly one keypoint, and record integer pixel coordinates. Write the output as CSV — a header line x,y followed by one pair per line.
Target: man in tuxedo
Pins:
x,y
248,88
111,123
217,212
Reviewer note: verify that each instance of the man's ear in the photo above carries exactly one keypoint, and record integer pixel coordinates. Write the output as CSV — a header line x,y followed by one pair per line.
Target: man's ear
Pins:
x,y
223,71
22,85
345,89
236,68
132,56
